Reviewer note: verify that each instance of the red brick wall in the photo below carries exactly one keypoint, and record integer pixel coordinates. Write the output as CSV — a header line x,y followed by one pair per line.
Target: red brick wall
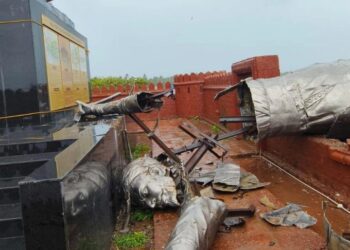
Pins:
x,y
195,92
257,67
212,85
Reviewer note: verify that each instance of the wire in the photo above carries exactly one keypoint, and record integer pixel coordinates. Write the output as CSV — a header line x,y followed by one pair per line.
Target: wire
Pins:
x,y
339,205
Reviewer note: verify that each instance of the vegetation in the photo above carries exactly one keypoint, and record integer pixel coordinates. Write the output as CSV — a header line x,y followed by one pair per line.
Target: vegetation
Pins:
x,y
141,215
140,150
127,80
130,240
215,129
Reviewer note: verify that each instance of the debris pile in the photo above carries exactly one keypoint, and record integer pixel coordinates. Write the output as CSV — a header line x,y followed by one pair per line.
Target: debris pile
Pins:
x,y
165,181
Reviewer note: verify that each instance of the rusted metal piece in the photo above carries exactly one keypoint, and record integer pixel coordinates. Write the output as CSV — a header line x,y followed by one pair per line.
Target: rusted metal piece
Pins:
x,y
241,212
156,139
195,158
226,91
192,131
204,143
237,119
196,133
220,137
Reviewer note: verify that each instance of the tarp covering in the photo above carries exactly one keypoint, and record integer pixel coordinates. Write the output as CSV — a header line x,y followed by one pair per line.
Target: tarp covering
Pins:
x,y
311,100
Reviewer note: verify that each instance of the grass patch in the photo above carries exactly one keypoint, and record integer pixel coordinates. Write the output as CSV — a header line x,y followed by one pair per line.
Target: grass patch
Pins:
x,y
215,129
130,240
140,150
142,215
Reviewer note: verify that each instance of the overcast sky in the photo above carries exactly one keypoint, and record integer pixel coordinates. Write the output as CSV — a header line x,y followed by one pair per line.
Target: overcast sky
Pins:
x,y
166,37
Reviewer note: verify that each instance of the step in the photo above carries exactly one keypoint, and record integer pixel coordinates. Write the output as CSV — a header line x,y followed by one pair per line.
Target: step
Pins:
x,y
9,195
21,166
11,228
10,182
12,243
34,147
10,211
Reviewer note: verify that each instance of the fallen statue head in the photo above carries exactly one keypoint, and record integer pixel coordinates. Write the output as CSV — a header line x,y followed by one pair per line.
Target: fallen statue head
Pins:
x,y
148,183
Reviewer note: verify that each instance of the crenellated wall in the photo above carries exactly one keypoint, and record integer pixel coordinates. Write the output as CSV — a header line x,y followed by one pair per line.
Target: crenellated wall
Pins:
x,y
195,92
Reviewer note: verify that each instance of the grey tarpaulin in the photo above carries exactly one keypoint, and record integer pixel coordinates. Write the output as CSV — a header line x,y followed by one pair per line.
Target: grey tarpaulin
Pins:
x,y
311,100
148,183
138,103
197,226
289,215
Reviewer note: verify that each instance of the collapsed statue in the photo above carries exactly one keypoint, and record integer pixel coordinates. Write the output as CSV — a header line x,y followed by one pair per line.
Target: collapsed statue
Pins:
x,y
163,182
142,102
313,100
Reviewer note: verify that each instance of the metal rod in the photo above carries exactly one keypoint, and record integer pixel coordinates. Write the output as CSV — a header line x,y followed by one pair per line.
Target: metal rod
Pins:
x,y
156,139
237,119
227,90
200,143
195,158
232,133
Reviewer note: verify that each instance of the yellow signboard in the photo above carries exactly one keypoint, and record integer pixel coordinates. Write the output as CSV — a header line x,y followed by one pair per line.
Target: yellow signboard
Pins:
x,y
66,70
53,66
84,75
66,61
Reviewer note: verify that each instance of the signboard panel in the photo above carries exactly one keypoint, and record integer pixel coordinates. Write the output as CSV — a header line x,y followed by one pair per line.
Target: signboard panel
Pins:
x,y
53,66
66,69
84,75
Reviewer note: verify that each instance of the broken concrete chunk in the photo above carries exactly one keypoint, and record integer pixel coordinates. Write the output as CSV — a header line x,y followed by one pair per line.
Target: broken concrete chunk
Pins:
x,y
197,226
289,215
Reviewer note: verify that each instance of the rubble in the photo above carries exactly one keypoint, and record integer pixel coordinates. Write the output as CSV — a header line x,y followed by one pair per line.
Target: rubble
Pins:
x,y
289,215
